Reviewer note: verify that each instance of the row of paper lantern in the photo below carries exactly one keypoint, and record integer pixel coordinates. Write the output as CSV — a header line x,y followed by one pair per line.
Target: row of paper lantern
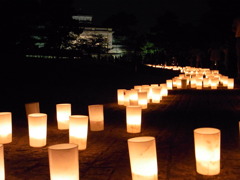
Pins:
x,y
198,78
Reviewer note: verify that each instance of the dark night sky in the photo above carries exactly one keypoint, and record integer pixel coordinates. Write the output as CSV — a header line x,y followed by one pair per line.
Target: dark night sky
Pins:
x,y
146,11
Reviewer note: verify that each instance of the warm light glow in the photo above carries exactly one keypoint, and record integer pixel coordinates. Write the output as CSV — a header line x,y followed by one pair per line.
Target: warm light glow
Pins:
x,y
120,95
207,150
2,166
134,118
63,113
37,127
206,82
5,127
142,99
96,117
214,83
230,83
133,97
184,83
169,84
32,108
199,83
143,158
156,95
164,89
78,130
63,162
126,97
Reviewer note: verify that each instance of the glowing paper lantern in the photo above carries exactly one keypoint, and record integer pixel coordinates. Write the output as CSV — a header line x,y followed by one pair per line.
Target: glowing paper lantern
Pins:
x,y
32,108
63,113
207,150
2,166
63,162
206,82
120,95
37,127
156,94
142,99
199,83
184,83
134,119
126,98
143,158
169,84
78,130
230,83
96,117
214,83
164,89
5,127
133,97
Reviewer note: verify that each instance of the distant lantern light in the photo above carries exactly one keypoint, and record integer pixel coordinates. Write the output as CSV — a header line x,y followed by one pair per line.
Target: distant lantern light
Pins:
x,y
142,99
78,130
5,127
32,107
120,95
230,83
2,166
199,83
63,162
63,113
156,95
214,83
143,158
37,127
133,97
134,119
96,117
169,84
127,98
206,83
164,89
184,82
207,150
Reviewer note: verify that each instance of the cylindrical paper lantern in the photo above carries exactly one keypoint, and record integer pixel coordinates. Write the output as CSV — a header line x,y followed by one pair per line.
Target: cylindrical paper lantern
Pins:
x,y
134,119
32,107
142,99
37,127
169,84
206,82
207,150
63,113
199,83
143,158
126,98
164,89
5,127
184,83
78,130
96,117
2,166
63,162
120,95
133,97
230,83
156,95
214,83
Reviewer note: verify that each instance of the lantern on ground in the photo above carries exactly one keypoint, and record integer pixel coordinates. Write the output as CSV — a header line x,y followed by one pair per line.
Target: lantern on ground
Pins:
x,y
214,83
199,83
230,83
120,95
32,108
134,119
63,162
96,117
63,113
169,84
206,82
2,166
126,98
184,82
37,128
142,99
164,89
78,130
193,82
143,158
133,97
5,127
156,95
207,150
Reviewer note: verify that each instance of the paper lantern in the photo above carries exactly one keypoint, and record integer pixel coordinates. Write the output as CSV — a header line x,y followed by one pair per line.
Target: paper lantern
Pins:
x,y
143,158
126,98
184,83
63,162
230,83
142,99
120,95
78,130
5,127
207,150
164,89
32,108
2,166
37,128
63,113
96,117
179,83
133,97
214,83
169,84
199,83
134,119
193,82
156,95
206,82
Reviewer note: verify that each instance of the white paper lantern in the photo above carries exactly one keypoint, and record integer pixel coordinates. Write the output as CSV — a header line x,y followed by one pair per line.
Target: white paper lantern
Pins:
x,y
134,119
37,127
143,158
63,113
120,95
96,117
5,127
63,162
